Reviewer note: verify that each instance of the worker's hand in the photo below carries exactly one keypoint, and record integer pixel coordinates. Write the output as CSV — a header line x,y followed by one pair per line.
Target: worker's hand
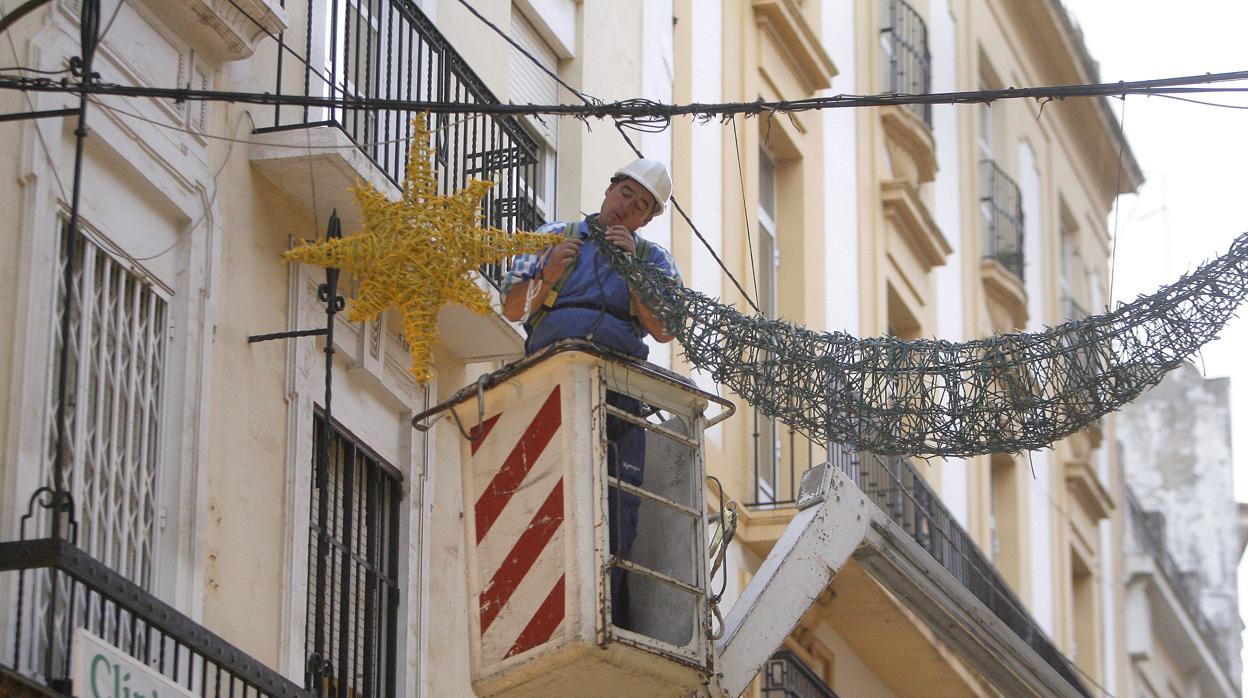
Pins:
x,y
622,238
561,256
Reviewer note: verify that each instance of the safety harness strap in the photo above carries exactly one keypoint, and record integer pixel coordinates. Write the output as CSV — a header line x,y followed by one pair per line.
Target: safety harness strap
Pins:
x,y
548,304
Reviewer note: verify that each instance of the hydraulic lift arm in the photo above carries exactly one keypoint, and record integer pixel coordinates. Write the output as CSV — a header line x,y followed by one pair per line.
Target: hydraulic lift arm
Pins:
x,y
832,522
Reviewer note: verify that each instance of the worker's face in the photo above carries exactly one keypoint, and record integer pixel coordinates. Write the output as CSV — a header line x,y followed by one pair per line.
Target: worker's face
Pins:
x,y
626,203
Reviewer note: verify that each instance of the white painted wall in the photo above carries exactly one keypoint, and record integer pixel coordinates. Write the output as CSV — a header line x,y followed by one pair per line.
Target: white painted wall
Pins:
x,y
951,321
840,182
1177,460
1109,624
1041,528
706,206
657,75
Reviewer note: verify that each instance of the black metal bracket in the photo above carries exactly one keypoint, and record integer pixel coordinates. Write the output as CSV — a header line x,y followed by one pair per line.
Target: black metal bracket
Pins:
x,y
293,334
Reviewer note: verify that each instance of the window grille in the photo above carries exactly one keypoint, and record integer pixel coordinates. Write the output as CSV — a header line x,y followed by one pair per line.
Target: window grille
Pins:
x,y
388,49
907,61
1001,208
353,591
116,369
116,362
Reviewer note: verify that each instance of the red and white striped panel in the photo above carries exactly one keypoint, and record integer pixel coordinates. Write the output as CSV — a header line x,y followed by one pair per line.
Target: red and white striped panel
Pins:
x,y
518,515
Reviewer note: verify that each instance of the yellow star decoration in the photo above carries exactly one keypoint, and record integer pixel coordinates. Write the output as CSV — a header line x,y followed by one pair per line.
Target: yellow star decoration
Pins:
x,y
419,253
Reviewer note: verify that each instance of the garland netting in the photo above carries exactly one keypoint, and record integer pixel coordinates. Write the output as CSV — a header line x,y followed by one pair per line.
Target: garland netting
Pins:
x,y
1003,394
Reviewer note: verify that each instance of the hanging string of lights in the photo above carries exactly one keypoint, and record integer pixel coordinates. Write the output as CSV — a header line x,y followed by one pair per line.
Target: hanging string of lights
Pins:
x,y
1002,394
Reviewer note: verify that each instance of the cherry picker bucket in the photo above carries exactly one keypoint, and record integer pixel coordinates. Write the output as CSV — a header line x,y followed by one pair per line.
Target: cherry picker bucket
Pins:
x,y
559,603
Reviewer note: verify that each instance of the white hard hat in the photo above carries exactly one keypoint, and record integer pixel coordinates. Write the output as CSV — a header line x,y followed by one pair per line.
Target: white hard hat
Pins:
x,y
652,175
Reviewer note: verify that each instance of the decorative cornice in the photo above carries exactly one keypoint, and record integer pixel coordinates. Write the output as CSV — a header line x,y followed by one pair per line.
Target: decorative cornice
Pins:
x,y
225,30
903,206
1085,484
798,40
908,132
1005,290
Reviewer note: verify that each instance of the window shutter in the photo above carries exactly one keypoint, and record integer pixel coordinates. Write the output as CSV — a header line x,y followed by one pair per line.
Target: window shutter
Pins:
x,y
528,84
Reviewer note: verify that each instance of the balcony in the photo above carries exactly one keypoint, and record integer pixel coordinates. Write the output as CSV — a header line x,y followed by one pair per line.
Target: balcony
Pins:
x,y
1147,540
1001,212
907,62
786,676
1002,263
900,492
57,591
389,50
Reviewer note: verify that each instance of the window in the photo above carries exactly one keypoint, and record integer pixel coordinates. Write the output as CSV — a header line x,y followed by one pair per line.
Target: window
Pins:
x,y
530,84
907,62
1068,265
1004,518
1001,214
766,429
117,346
987,115
361,63
1083,614
353,592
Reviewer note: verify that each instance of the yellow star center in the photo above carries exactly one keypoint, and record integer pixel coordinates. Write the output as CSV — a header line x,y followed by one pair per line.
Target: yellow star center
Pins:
x,y
420,252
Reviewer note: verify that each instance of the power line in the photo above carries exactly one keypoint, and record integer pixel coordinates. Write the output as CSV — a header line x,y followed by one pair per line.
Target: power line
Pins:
x,y
642,111
619,124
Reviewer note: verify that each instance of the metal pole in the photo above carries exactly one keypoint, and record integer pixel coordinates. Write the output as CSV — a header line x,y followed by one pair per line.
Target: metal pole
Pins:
x,y
88,36
328,293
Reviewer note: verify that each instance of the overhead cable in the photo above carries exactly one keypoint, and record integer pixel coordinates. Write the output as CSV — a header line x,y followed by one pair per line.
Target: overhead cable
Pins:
x,y
642,110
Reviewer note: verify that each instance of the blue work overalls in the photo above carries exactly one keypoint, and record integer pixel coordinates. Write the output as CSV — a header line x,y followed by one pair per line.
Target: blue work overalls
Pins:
x,y
594,305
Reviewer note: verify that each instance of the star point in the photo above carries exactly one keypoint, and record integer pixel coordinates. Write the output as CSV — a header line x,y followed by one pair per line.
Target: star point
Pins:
x,y
419,253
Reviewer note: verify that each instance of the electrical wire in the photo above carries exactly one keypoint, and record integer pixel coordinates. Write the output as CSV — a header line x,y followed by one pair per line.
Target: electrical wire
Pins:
x,y
1202,102
19,68
267,144
745,209
585,98
620,125
30,103
116,11
640,109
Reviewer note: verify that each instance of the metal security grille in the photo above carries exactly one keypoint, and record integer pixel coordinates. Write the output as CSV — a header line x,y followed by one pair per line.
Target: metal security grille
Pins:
x,y
115,364
907,62
1001,208
117,350
353,593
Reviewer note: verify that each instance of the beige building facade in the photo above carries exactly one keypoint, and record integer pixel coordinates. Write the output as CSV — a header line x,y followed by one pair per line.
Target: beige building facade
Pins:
x,y
193,451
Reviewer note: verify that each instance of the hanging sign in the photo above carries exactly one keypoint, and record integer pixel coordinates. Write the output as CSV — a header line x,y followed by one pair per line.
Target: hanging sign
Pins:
x,y
101,670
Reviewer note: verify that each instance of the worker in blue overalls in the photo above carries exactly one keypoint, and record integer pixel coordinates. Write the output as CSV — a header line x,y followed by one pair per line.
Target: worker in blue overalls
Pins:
x,y
570,291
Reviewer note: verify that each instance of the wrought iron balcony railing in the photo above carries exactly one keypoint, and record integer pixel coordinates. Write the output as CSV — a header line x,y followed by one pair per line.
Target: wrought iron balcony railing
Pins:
x,y
781,455
907,61
1149,530
786,676
388,49
896,487
55,587
1001,211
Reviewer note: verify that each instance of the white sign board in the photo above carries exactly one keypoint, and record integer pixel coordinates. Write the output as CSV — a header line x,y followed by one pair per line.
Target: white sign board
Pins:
x,y
103,671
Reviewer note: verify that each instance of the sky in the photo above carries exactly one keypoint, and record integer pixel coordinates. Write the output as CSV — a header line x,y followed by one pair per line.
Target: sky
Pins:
x,y
1195,198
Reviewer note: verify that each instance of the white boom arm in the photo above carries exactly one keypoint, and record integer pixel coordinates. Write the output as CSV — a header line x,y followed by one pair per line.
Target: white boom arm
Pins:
x,y
816,544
